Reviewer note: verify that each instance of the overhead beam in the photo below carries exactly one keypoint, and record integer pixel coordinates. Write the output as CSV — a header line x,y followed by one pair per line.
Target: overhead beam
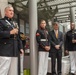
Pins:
x,y
67,7
58,8
63,12
61,15
58,2
17,1
63,18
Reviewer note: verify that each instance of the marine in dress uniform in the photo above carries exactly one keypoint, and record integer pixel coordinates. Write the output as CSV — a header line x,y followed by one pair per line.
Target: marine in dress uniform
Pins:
x,y
70,47
10,44
43,48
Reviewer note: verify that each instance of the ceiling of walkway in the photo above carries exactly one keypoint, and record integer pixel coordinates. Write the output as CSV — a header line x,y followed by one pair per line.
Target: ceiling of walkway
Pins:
x,y
47,9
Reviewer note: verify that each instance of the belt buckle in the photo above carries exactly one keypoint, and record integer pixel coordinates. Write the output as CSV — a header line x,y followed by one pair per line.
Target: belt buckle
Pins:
x,y
14,36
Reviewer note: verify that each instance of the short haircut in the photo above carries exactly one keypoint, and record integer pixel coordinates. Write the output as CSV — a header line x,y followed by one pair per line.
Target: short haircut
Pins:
x,y
72,23
39,22
9,6
55,23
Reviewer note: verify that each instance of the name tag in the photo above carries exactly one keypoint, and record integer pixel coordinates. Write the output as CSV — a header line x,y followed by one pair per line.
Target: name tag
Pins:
x,y
43,40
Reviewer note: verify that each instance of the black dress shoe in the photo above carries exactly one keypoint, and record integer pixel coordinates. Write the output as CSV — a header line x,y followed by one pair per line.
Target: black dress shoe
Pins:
x,y
59,74
72,74
54,74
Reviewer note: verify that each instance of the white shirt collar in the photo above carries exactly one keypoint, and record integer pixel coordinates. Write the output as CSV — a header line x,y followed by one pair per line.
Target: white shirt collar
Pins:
x,y
56,31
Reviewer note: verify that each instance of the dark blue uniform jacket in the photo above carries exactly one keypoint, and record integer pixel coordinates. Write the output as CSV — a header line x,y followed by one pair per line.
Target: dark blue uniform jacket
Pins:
x,y
42,38
9,46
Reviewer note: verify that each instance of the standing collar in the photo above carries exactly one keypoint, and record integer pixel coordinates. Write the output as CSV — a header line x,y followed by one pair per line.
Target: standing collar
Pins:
x,y
56,31
9,19
42,28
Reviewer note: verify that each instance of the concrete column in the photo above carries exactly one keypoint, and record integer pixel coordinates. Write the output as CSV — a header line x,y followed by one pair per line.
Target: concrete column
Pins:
x,y
72,14
33,28
3,4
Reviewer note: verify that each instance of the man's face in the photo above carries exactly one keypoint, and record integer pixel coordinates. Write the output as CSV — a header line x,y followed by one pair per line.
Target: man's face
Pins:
x,y
43,24
72,26
9,12
56,26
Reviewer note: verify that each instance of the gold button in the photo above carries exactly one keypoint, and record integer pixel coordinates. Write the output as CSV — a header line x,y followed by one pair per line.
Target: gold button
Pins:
x,y
5,43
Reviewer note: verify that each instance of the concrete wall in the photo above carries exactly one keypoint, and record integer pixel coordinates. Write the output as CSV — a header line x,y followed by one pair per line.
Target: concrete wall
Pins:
x,y
3,4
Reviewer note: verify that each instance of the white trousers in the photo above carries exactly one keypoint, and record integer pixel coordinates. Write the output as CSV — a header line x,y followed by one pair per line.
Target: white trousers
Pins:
x,y
21,63
43,63
73,61
8,65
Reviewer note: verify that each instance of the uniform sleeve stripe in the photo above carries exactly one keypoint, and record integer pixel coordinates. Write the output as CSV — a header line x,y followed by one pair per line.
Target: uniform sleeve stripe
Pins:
x,y
37,34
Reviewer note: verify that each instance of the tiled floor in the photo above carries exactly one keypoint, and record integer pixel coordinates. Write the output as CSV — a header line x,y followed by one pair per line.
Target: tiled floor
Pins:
x,y
51,74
